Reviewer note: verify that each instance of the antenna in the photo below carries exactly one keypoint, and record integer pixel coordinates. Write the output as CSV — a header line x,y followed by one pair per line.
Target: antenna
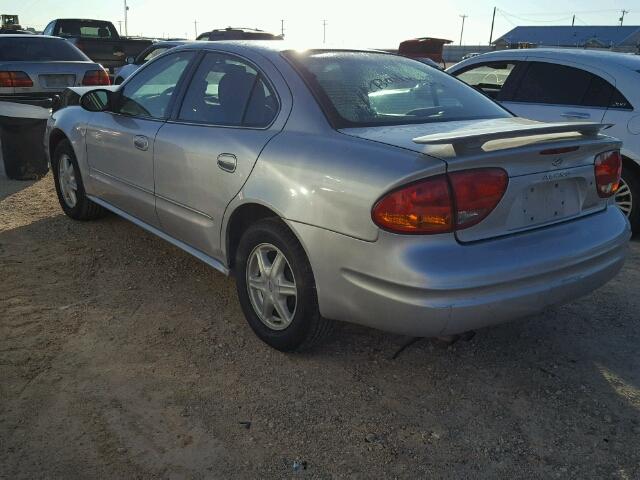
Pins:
x,y
282,28
324,31
195,27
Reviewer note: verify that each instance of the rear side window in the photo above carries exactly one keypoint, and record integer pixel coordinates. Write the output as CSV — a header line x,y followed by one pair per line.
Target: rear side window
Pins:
x,y
553,84
38,49
488,77
227,91
561,85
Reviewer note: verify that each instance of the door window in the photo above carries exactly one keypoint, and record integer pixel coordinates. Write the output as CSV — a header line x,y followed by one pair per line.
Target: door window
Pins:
x,y
488,77
553,84
150,91
227,91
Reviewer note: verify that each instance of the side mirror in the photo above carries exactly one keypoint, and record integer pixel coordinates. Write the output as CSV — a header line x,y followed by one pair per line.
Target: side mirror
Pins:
x,y
96,100
130,60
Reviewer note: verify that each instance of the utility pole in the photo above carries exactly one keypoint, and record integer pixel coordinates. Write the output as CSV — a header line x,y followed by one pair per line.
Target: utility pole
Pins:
x,y
324,31
195,27
624,12
462,29
126,19
282,28
120,27
493,21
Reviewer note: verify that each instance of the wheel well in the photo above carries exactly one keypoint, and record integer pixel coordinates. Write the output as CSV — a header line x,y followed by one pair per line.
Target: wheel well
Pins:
x,y
54,139
631,165
240,220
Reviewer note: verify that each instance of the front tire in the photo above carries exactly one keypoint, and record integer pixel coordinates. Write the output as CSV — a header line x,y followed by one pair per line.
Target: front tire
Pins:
x,y
69,186
276,288
628,197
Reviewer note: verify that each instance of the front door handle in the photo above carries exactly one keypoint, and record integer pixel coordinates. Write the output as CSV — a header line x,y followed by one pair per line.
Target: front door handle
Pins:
x,y
141,142
227,162
580,115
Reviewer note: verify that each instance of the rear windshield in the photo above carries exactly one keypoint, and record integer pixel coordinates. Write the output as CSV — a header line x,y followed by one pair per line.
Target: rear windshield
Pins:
x,y
38,49
367,89
86,29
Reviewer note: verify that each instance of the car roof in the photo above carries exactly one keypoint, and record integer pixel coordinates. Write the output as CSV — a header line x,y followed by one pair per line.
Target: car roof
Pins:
x,y
599,57
272,46
17,35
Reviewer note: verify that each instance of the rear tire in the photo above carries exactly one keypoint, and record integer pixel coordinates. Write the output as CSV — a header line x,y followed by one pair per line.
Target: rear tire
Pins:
x,y
628,197
269,257
69,186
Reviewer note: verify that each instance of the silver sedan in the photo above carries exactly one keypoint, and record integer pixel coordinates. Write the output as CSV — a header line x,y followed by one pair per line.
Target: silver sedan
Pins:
x,y
346,185
37,67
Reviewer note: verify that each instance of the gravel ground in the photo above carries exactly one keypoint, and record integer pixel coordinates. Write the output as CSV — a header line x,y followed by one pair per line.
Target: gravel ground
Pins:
x,y
122,357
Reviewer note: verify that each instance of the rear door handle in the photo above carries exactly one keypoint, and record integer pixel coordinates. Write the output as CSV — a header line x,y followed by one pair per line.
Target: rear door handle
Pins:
x,y
580,115
227,162
141,142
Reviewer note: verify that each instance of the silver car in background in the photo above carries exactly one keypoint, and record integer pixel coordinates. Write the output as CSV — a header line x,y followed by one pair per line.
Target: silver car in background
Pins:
x,y
34,67
346,185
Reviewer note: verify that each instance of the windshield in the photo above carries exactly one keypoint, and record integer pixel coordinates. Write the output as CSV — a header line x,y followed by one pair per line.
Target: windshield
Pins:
x,y
38,49
368,89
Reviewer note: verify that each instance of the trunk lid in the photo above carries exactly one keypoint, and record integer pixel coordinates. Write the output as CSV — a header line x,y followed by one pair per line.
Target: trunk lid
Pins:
x,y
550,166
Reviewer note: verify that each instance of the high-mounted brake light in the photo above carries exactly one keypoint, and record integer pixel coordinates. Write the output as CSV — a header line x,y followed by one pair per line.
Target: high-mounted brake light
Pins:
x,y
608,169
442,203
95,78
15,80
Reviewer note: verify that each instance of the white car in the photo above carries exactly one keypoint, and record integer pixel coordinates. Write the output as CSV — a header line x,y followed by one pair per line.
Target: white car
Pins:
x,y
553,84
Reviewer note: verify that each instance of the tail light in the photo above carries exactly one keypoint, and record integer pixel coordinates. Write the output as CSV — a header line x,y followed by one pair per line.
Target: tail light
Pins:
x,y
608,170
443,203
96,77
15,79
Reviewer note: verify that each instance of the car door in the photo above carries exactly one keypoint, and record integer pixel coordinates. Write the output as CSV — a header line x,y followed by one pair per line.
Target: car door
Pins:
x,y
553,92
204,155
120,142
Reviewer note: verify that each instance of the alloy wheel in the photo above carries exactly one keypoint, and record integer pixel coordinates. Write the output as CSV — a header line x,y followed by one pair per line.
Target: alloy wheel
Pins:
x,y
67,180
624,198
271,286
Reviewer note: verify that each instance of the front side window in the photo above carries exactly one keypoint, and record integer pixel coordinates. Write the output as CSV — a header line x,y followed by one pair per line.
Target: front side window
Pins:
x,y
369,89
149,92
488,77
227,91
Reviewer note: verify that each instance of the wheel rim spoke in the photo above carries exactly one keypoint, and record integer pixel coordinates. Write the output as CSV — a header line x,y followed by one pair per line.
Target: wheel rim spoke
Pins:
x,y
624,198
271,286
67,181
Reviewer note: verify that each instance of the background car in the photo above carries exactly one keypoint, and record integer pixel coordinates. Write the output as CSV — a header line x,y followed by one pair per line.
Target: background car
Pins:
x,y
35,67
149,53
569,85
233,33
98,39
346,185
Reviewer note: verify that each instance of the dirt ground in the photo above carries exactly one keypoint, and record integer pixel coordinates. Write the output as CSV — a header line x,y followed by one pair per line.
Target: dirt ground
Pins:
x,y
122,357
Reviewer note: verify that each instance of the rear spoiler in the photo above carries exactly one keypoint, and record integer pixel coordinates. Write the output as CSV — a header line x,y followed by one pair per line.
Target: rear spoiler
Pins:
x,y
473,139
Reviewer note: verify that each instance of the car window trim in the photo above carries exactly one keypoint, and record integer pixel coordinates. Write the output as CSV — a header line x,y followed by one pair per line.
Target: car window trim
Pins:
x,y
174,118
172,101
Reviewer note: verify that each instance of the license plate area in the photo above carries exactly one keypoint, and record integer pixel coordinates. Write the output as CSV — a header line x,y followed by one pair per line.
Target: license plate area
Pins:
x,y
57,80
550,201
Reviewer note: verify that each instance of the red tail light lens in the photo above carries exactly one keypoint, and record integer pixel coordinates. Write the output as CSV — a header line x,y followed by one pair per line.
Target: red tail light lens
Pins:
x,y
15,79
443,203
421,207
608,170
96,77
477,192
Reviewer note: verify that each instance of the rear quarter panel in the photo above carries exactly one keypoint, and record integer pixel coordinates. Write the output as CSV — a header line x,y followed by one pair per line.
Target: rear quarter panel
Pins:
x,y
331,181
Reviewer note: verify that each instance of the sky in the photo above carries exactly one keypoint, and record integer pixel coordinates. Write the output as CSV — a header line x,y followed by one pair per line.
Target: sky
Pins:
x,y
372,23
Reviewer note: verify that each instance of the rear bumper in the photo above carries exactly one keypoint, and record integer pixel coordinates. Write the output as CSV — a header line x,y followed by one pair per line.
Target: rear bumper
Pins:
x,y
429,286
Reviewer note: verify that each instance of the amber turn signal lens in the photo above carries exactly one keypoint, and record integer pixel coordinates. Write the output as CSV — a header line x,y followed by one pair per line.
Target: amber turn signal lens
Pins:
x,y
608,171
